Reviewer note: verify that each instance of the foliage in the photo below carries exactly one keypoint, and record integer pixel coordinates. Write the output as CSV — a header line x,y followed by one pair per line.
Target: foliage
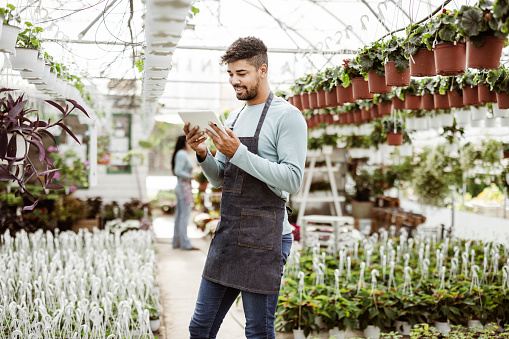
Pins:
x,y
134,154
8,13
14,119
393,50
71,170
442,28
413,41
498,79
68,209
93,207
370,58
28,38
135,210
477,22
351,70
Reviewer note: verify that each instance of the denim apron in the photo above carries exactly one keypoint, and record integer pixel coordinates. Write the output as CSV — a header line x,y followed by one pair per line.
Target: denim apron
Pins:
x,y
245,251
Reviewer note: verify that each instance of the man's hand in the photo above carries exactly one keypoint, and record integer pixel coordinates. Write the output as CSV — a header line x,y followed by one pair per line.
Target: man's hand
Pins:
x,y
227,143
195,140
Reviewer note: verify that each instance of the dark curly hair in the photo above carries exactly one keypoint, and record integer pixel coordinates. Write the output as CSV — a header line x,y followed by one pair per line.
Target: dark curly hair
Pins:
x,y
250,48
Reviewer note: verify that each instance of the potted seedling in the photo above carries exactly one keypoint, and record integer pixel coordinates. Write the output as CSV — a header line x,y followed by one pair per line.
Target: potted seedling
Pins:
x,y
383,103
422,60
485,34
27,48
371,62
443,38
439,86
9,32
397,71
394,128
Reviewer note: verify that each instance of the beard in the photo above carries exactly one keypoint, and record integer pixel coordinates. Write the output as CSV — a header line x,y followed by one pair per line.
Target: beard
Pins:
x,y
249,93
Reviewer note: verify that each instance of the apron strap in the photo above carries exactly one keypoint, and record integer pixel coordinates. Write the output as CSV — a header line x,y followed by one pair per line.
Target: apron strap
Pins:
x,y
264,114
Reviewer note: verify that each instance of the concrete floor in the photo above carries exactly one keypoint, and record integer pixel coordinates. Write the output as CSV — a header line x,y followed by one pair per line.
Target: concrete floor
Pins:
x,y
179,276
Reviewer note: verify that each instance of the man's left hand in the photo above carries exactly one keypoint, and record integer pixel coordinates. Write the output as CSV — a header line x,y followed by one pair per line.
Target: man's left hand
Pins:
x,y
225,143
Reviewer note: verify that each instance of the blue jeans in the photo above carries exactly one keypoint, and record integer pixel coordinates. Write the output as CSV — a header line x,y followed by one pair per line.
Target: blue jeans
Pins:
x,y
182,213
215,300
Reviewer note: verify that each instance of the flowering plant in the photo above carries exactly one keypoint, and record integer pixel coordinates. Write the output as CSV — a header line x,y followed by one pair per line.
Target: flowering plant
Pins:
x,y
72,171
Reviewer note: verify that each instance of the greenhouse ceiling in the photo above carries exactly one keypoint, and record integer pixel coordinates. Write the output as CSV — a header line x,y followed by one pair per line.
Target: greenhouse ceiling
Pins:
x,y
103,39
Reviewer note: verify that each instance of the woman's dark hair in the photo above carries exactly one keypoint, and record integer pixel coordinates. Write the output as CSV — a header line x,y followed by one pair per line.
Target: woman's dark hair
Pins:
x,y
252,49
181,144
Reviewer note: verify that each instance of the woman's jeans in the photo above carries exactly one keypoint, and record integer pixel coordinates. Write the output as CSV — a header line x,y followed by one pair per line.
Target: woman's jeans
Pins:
x,y
182,213
215,300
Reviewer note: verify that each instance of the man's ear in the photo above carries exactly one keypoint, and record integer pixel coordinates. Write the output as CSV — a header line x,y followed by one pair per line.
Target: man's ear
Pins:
x,y
263,70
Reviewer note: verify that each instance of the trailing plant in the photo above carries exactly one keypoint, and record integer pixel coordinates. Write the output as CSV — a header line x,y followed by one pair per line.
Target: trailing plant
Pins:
x,y
393,51
414,39
442,28
28,38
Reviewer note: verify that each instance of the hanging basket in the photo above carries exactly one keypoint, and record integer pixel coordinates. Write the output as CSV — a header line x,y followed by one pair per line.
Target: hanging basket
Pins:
x,y
313,100
365,115
297,101
321,99
479,113
485,95
455,98
450,58
360,89
412,101
499,113
441,101
462,117
471,96
8,39
305,100
331,98
503,100
357,116
345,94
427,102
394,139
349,117
423,63
486,56
25,59
377,84
397,104
384,109
395,78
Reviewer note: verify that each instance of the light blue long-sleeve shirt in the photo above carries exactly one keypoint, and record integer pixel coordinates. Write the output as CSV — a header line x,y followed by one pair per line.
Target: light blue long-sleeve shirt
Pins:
x,y
183,169
281,149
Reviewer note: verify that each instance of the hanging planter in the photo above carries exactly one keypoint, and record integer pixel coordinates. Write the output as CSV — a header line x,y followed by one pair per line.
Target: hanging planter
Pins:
x,y
455,98
297,101
331,98
446,120
377,83
422,63
441,101
321,99
462,117
8,39
500,113
395,78
305,100
24,59
427,102
349,117
397,104
344,94
479,113
313,100
485,95
384,109
471,96
421,124
360,89
450,58
490,123
357,116
394,139
486,56
503,100
365,115
412,102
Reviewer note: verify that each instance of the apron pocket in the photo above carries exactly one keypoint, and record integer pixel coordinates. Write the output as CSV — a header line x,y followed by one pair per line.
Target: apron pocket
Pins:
x,y
257,229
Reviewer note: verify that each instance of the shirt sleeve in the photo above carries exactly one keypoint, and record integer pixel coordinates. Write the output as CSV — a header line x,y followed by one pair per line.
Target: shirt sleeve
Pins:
x,y
181,163
213,168
288,172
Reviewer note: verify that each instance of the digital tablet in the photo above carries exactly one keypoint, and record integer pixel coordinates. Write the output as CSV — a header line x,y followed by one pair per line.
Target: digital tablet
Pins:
x,y
201,119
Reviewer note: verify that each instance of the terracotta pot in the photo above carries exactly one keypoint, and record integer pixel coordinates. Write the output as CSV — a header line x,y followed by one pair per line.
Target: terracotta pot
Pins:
x,y
412,101
331,98
503,100
373,112
297,101
394,139
455,98
349,117
395,78
471,96
313,100
486,56
343,119
345,94
329,119
384,109
357,116
291,100
450,58
441,101
365,115
485,95
321,99
360,89
377,84
397,103
427,102
423,63
305,100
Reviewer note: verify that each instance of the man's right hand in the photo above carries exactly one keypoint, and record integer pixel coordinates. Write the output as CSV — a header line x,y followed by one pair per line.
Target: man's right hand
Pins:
x,y
196,140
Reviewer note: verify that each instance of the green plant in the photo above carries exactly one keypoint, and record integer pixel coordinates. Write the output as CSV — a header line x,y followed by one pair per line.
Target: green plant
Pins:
x,y
466,79
134,154
93,206
414,39
28,38
298,86
330,78
135,210
442,28
412,89
393,51
452,133
72,170
8,13
351,69
370,58
498,79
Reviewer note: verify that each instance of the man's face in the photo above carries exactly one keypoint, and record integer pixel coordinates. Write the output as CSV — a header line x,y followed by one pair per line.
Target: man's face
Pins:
x,y
245,79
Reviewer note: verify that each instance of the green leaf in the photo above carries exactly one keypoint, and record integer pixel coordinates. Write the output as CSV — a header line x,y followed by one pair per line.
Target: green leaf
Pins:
x,y
401,64
446,34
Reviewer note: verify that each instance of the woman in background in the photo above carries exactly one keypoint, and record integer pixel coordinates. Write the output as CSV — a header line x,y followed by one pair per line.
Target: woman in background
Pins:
x,y
182,168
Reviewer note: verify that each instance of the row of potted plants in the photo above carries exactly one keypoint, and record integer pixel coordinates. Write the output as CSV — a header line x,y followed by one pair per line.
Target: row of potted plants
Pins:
x,y
379,283
445,45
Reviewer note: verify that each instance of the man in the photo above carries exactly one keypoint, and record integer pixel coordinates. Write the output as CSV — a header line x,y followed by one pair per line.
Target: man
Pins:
x,y
260,161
